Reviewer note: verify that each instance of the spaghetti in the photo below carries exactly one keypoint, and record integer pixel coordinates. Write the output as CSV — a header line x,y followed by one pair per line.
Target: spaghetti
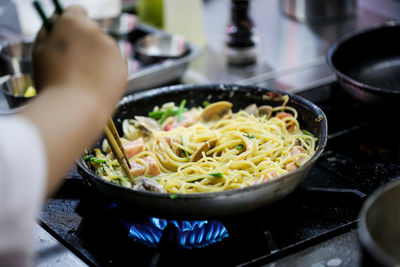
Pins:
x,y
186,151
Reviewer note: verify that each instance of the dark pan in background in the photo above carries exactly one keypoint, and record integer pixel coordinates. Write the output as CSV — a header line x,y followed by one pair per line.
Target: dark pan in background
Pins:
x,y
207,205
367,66
367,63
379,227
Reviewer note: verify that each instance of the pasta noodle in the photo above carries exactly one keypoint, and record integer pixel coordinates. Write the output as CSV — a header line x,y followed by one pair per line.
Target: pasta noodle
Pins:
x,y
189,154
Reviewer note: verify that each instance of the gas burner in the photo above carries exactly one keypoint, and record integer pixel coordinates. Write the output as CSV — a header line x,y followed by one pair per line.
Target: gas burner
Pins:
x,y
182,234
157,232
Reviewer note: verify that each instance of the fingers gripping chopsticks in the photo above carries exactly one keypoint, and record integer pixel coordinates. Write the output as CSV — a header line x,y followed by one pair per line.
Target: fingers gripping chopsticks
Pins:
x,y
110,129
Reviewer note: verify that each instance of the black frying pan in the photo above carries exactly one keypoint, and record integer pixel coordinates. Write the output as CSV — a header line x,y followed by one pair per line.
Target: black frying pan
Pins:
x,y
367,63
218,204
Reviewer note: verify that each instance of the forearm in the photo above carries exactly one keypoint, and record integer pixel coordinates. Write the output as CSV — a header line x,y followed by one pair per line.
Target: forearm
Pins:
x,y
59,111
81,75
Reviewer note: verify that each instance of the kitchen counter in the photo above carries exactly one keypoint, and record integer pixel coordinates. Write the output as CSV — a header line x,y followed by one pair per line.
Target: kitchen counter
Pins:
x,y
291,55
52,253
342,250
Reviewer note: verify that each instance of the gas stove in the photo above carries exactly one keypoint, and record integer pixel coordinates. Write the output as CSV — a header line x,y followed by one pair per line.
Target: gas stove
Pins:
x,y
362,154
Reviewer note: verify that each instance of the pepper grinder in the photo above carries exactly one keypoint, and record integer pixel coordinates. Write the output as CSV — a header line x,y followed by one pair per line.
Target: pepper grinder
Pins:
x,y
241,40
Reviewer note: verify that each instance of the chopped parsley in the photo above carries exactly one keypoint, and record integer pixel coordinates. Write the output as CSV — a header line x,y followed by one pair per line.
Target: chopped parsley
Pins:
x,y
239,147
307,133
167,113
249,136
196,178
173,196
184,151
206,103
94,159
156,114
162,115
181,109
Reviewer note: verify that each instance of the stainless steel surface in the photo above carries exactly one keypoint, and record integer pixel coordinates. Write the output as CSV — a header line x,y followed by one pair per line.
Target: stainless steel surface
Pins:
x,y
17,84
318,11
51,253
15,87
16,53
379,227
287,47
16,59
4,107
164,72
162,46
340,251
122,24
159,74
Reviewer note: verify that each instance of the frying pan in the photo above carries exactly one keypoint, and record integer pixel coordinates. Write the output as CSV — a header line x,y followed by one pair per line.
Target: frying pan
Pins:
x,y
379,227
367,63
227,203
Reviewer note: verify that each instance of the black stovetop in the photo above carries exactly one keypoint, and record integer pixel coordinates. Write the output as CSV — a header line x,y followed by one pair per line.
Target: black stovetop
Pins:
x,y
362,154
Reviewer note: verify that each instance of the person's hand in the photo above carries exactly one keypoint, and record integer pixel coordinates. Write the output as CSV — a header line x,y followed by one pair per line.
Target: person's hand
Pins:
x,y
80,76
77,55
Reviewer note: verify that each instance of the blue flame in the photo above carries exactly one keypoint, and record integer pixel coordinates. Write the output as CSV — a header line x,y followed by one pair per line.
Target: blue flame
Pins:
x,y
189,234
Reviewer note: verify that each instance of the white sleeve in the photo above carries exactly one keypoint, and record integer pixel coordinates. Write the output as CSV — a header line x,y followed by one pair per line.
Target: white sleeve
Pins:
x,y
23,172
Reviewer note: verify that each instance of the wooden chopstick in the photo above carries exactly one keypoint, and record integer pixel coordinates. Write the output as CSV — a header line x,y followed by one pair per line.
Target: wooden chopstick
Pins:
x,y
114,131
118,150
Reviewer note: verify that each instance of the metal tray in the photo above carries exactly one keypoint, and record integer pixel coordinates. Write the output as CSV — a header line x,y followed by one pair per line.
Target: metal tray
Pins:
x,y
160,73
141,76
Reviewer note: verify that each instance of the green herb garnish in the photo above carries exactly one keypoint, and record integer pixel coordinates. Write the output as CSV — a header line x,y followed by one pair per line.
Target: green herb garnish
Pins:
x,y
199,177
184,151
173,196
168,113
94,159
249,136
206,103
239,147
156,114
307,133
181,109
162,115
117,181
